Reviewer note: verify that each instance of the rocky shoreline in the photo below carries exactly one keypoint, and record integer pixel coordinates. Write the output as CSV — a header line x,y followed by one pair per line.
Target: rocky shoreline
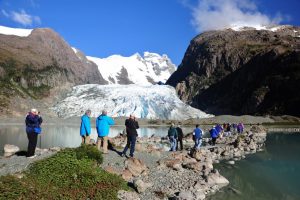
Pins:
x,y
156,173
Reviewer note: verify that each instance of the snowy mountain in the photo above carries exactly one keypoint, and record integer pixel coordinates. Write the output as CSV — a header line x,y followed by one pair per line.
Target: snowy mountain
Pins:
x,y
135,69
15,31
152,102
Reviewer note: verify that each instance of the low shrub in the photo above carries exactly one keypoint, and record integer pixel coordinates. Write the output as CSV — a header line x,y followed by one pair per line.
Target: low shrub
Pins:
x,y
70,174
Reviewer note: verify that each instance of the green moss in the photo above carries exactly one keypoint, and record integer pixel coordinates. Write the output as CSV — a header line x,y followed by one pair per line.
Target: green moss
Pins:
x,y
70,174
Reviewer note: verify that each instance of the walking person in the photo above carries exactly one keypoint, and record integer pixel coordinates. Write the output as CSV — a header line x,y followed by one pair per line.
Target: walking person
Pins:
x,y
33,127
198,137
179,138
214,135
131,126
172,134
85,127
103,122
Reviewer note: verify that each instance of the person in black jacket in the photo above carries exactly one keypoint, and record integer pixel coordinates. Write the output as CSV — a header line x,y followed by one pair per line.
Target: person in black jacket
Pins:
x,y
179,138
131,126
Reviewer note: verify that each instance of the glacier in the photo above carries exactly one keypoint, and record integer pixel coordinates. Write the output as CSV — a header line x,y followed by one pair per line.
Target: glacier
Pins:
x,y
151,102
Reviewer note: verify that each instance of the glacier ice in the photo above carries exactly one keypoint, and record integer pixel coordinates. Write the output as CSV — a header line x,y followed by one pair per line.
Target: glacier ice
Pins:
x,y
151,102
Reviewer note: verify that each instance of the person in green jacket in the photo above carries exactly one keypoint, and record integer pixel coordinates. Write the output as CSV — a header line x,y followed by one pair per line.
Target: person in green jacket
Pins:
x,y
172,134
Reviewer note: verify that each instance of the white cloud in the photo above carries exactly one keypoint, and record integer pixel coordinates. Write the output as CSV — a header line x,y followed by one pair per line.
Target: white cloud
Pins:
x,y
219,14
22,17
4,13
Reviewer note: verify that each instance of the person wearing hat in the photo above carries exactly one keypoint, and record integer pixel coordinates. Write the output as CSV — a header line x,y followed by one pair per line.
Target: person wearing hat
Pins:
x,y
33,122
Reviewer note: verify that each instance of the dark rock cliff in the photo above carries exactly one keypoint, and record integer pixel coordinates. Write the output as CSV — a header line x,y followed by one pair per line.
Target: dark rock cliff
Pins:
x,y
242,72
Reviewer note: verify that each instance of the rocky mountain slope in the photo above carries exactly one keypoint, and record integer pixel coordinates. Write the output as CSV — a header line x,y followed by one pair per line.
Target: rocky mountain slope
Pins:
x,y
148,69
35,62
151,102
242,71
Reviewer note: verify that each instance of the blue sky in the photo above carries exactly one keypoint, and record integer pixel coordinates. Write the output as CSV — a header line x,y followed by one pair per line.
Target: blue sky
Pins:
x,y
104,27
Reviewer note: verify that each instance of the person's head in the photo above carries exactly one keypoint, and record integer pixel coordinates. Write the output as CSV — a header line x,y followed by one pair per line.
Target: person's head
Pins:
x,y
131,116
172,125
197,125
88,112
104,112
34,111
178,125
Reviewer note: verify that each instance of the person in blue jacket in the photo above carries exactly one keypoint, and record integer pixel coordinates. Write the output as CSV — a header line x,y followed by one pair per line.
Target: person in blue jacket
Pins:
x,y
198,136
33,122
85,127
214,135
103,122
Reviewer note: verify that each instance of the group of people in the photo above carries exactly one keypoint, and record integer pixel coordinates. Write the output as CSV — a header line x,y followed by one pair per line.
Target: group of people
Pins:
x,y
175,134
34,120
103,123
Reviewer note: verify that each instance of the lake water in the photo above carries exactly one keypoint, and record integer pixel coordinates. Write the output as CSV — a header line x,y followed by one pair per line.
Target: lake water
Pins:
x,y
67,136
273,174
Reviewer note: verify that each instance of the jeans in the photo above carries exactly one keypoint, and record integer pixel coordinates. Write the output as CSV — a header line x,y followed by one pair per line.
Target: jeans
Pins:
x,y
103,140
173,143
130,143
32,142
198,142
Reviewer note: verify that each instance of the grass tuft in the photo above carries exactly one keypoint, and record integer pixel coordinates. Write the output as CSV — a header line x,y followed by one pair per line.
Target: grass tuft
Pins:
x,y
70,174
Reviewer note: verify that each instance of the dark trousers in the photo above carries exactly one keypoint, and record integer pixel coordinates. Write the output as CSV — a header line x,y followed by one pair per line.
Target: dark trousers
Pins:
x,y
32,141
213,141
179,141
130,143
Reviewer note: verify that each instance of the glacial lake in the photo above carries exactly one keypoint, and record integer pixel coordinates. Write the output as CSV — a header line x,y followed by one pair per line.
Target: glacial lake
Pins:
x,y
68,136
273,174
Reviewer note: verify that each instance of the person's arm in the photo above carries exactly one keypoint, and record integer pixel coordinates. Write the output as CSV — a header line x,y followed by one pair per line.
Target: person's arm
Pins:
x,y
136,125
111,121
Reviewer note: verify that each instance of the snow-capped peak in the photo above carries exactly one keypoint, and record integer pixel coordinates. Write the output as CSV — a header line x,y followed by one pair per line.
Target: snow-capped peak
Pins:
x,y
242,27
136,69
15,31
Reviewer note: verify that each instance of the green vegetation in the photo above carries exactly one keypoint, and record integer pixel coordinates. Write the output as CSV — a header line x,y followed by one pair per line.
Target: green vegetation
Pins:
x,y
70,174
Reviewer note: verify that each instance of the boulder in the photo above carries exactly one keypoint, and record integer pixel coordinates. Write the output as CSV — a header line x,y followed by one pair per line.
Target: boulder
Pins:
x,y
141,186
217,179
231,162
126,195
186,195
126,175
135,166
111,170
10,150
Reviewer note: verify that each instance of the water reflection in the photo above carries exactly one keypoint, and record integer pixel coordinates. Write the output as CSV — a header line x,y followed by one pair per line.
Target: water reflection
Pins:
x,y
68,136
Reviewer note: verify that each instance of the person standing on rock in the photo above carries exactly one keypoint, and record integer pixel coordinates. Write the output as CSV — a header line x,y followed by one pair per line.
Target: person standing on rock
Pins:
x,y
103,122
33,123
85,127
131,126
240,128
198,137
172,134
180,138
214,135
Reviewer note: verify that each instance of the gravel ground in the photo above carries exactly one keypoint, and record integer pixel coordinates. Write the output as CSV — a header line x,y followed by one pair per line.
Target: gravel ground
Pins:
x,y
16,164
